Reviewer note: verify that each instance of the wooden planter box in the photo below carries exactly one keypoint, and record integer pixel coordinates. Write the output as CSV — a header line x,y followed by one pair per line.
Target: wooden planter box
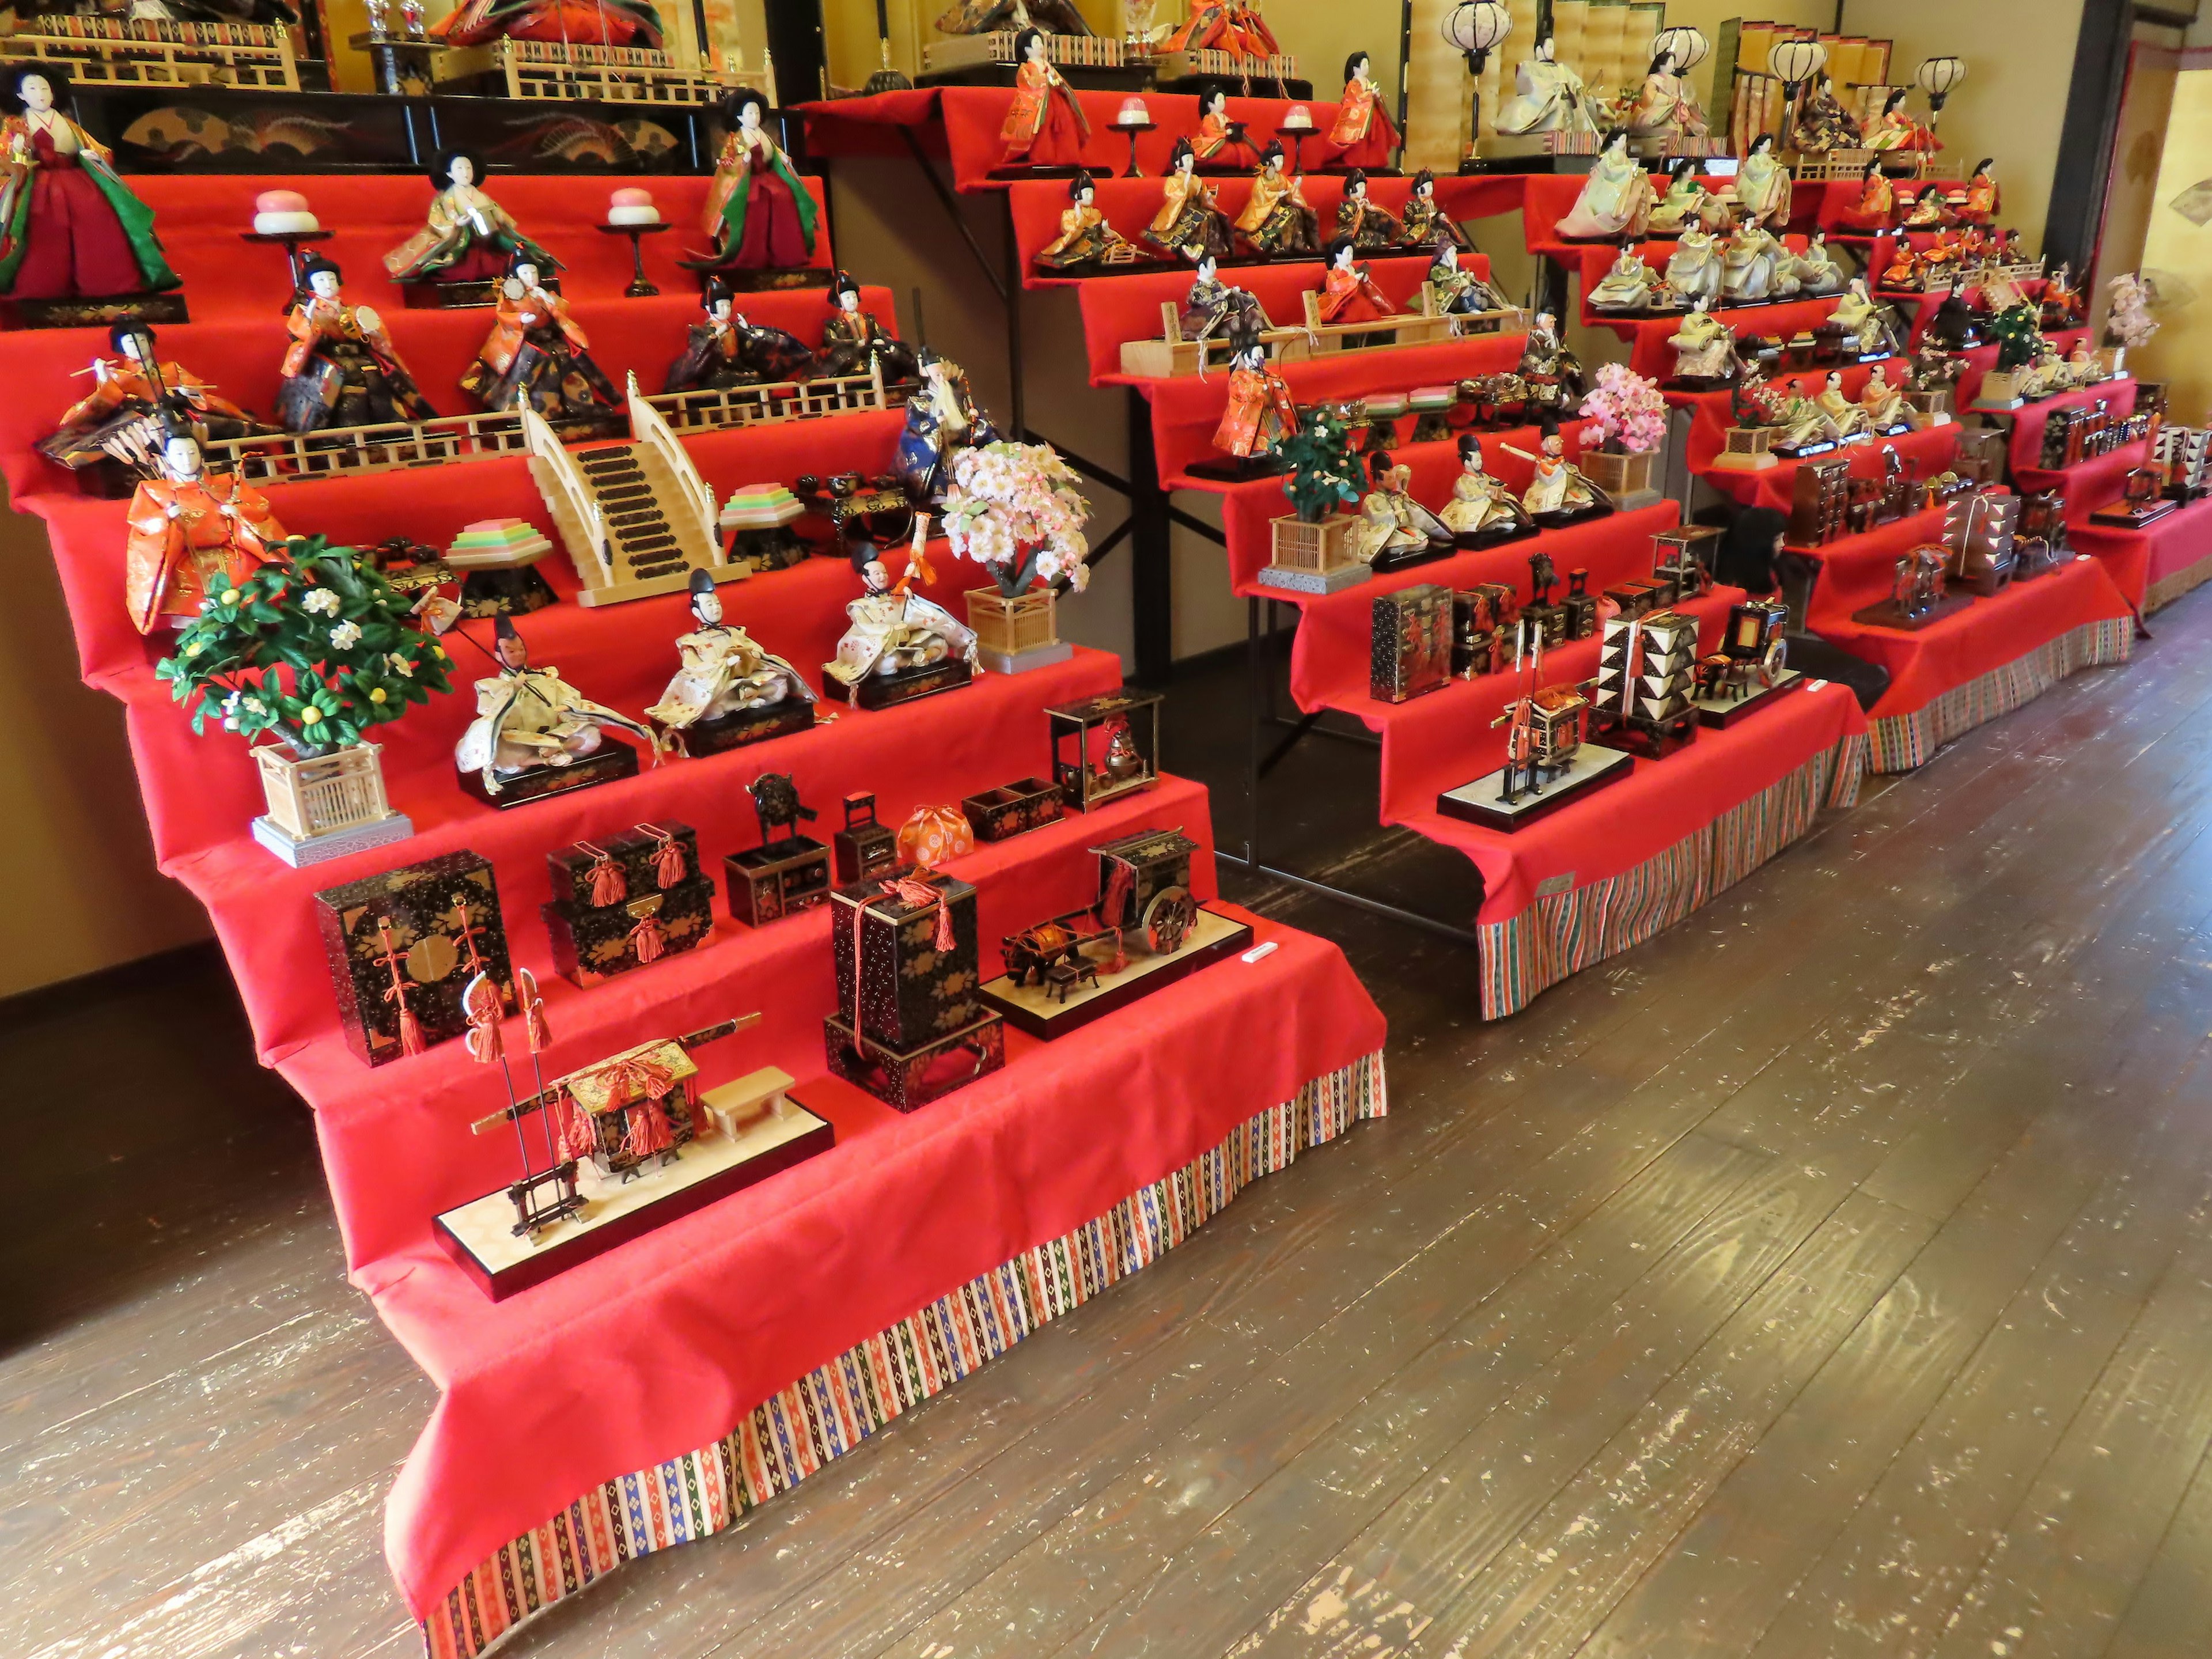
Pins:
x,y
326,805
2001,390
1015,635
1746,450
1319,548
1619,474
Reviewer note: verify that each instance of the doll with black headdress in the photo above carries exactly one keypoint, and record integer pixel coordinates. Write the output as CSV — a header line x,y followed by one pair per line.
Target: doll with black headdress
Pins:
x,y
1085,239
941,420
894,631
714,357
758,211
1188,225
536,735
1359,221
467,237
853,338
120,418
1458,291
341,369
536,354
726,689
1426,224
1277,220
1558,491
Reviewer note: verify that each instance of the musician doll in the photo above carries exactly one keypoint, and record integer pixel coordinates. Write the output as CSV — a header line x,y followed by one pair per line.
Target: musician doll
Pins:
x,y
341,369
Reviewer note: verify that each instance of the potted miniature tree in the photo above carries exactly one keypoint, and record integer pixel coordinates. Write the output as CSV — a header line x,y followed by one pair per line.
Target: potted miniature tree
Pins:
x,y
1627,429
312,650
1753,416
1311,549
1016,510
2019,336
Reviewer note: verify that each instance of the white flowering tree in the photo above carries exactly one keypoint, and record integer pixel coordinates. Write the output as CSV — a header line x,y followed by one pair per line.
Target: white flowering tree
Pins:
x,y
1016,509
315,648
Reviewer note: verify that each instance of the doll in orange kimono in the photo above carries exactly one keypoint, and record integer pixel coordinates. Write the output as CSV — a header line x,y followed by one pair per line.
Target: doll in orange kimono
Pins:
x,y
535,351
1261,414
1221,145
1981,205
1348,294
1045,126
1877,203
1231,25
186,525
121,416
1363,136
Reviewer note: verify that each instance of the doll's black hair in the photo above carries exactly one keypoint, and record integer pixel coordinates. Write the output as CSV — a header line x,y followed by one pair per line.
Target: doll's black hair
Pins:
x,y
842,282
1426,176
1611,133
1336,245
1660,58
11,79
1894,99
1021,44
1078,185
1355,60
1182,151
713,292
521,257
1983,165
1379,464
127,327
441,170
1357,176
1765,138
178,419
1208,93
314,262
1274,152
734,104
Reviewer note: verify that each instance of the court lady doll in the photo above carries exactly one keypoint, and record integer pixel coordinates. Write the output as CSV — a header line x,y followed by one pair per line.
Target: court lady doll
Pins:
x,y
467,237
1348,292
1362,136
1045,126
1684,201
1665,108
1895,129
1215,147
1427,225
341,369
852,339
1981,193
1086,239
1367,226
70,227
536,352
1277,220
1762,186
758,211
1616,200
1188,225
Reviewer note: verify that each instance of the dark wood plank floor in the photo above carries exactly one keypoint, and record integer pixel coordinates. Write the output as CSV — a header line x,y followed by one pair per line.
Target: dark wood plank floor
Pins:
x,y
1828,1277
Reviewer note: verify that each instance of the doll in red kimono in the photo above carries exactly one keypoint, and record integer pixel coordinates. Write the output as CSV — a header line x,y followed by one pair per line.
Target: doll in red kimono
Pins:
x,y
1348,294
535,351
1261,414
1046,126
1363,136
186,525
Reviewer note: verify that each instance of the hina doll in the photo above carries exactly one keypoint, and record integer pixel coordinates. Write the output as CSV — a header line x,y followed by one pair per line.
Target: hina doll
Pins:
x,y
941,419
1981,205
720,672
1894,129
1627,286
1815,270
1188,225
891,628
1762,186
1705,348
1259,415
1362,136
1231,25
557,22
1547,97
186,527
1557,488
2062,301
1865,324
1802,423
758,211
1277,220
1694,270
712,360
1392,525
1823,123
1930,211
530,719
1842,410
1877,207
1616,200
1481,505
1457,291
1552,374
991,16
1215,309
70,227
1359,222
341,369
1884,405
1348,292
536,354
1665,108
1219,137
853,338
1906,271
1085,239
1687,202
1045,125
1748,266
1427,225
468,237
123,411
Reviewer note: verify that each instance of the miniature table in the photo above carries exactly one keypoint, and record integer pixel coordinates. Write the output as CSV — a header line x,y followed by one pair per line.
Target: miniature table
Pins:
x,y
638,288
1132,129
400,59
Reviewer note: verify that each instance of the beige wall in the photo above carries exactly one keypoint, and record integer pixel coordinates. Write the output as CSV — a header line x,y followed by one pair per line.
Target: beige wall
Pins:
x,y
2181,353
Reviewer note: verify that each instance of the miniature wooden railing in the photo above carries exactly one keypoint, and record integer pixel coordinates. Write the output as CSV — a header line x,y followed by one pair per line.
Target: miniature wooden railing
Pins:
x,y
1172,354
1399,329
106,51
573,502
694,514
776,400
966,51
1509,319
387,446
614,75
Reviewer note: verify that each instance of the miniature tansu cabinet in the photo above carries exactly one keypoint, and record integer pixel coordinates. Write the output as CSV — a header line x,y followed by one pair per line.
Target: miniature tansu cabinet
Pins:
x,y
1410,649
909,1026
1012,808
866,846
399,949
627,901
787,870
1105,746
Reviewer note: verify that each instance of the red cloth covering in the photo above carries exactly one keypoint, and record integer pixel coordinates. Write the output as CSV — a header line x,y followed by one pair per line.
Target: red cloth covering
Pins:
x,y
1186,409
1650,356
1130,205
963,123
1838,197
2024,452
1597,258
1117,309
1926,453
1857,571
1551,196
2087,485
1248,510
2156,563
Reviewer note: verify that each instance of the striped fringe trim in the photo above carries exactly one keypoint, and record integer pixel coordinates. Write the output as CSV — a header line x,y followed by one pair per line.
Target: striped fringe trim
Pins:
x,y
2169,589
830,1410
1565,933
1903,742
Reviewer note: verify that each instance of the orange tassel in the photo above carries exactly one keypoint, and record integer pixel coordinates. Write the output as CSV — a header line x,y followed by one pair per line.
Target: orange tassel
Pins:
x,y
646,939
668,864
608,884
411,1032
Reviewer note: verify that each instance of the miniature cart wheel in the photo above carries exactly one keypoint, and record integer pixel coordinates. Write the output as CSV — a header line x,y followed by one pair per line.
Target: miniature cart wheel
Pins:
x,y
1168,919
1778,650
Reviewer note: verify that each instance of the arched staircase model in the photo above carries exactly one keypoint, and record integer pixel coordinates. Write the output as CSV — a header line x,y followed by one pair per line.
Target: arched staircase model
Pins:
x,y
636,518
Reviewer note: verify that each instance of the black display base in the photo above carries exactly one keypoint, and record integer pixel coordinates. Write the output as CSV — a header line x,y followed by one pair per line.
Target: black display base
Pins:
x,y
1648,739
1579,515
614,759
1695,383
1888,614
1406,558
104,311
2133,517
1236,469
451,296
514,590
1804,452
1035,1015
1475,541
1149,265
889,690
908,1079
1020,170
727,731
758,281
1478,802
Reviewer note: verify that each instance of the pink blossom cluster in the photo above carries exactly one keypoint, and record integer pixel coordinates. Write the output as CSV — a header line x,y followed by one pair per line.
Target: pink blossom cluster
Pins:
x,y
1624,408
1007,499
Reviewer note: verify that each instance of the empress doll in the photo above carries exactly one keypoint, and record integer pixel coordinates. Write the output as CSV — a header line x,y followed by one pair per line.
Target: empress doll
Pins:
x,y
1616,200
468,237
1188,225
1362,136
1895,129
1665,108
72,228
758,211
1045,124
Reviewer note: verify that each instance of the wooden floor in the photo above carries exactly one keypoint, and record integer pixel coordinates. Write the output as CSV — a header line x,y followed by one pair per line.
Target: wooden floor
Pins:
x,y
1829,1277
